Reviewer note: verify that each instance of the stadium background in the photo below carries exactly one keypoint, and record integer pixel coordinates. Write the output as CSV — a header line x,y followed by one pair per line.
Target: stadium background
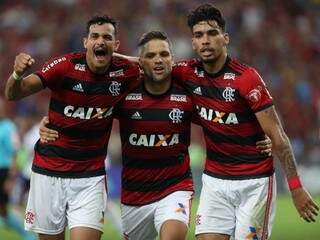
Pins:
x,y
279,38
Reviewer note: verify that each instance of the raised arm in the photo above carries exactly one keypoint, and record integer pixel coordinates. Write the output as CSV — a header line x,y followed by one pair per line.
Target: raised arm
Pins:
x,y
271,125
17,86
130,58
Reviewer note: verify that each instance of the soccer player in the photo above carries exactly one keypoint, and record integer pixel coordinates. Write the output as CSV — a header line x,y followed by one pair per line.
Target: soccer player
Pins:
x,y
68,178
235,110
9,140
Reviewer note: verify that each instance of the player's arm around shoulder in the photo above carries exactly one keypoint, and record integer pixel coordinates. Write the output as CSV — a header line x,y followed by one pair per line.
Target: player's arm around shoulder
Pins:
x,y
18,86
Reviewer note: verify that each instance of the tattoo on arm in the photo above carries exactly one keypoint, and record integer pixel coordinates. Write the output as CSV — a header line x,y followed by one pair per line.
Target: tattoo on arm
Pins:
x,y
287,160
280,142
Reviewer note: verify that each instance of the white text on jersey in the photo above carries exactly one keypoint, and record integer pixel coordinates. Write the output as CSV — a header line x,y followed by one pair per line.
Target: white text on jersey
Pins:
x,y
153,140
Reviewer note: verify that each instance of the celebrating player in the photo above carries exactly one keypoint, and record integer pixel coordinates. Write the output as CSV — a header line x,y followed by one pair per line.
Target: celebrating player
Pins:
x,y
68,179
235,110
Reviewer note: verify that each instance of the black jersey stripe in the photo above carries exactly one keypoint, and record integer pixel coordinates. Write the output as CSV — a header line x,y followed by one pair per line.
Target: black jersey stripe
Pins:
x,y
210,92
107,87
81,133
235,159
67,153
233,139
156,114
153,163
150,186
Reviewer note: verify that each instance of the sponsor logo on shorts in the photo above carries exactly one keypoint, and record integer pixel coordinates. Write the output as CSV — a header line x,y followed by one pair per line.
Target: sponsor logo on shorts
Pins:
x,y
181,209
125,236
254,232
29,217
198,219
102,218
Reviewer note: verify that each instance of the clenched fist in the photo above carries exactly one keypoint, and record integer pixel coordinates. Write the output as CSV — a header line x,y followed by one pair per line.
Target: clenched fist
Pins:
x,y
22,63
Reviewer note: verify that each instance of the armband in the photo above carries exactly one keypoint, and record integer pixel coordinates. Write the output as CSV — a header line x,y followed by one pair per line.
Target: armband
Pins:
x,y
294,183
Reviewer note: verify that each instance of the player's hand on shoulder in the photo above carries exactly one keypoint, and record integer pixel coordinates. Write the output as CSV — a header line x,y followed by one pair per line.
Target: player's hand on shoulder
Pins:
x,y
22,63
47,134
304,204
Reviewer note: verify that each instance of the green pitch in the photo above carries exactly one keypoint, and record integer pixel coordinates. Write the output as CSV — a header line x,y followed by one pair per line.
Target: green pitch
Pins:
x,y
288,225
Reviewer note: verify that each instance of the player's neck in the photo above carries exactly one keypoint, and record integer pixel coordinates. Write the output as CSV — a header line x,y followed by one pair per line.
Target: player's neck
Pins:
x,y
157,88
216,66
98,70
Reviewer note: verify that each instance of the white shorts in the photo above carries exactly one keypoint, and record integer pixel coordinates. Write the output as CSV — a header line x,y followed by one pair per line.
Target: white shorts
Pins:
x,y
144,222
243,209
55,202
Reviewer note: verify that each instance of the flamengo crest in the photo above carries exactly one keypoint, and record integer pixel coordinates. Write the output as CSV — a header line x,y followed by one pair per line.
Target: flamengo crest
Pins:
x,y
114,88
228,94
176,115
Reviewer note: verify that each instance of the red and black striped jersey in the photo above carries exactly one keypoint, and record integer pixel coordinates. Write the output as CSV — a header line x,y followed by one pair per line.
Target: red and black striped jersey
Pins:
x,y
227,102
80,109
155,135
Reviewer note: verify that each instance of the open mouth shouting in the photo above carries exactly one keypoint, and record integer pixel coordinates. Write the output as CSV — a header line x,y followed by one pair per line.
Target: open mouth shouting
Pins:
x,y
100,53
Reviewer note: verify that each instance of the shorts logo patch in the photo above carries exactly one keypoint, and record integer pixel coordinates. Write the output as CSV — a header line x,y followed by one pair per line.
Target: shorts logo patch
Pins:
x,y
102,218
29,217
181,208
253,235
198,219
125,236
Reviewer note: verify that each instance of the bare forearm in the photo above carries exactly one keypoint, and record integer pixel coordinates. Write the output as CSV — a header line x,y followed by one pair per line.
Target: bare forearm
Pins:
x,y
285,154
13,89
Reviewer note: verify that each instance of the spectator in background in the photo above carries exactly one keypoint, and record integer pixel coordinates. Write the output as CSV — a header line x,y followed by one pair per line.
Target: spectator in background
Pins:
x,y
9,143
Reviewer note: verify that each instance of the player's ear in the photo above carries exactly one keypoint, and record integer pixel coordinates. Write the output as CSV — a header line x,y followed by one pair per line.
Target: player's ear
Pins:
x,y
116,45
193,44
85,41
226,38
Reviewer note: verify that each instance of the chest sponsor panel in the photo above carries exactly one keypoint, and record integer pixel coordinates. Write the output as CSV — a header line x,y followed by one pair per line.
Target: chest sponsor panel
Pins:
x,y
80,112
156,140
221,117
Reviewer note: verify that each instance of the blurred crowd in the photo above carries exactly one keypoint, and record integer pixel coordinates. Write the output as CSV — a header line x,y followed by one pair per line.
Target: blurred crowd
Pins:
x,y
281,39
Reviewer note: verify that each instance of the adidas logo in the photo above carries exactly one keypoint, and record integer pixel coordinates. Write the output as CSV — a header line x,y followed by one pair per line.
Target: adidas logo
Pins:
x,y
78,88
198,91
136,116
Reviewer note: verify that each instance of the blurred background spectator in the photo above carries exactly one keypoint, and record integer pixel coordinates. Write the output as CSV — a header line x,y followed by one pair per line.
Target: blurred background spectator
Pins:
x,y
281,39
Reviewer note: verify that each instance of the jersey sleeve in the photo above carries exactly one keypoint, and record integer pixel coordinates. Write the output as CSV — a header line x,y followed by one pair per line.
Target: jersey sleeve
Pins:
x,y
52,72
255,92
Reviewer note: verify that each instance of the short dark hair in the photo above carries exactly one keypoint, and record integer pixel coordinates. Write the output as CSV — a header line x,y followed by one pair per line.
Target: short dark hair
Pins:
x,y
147,37
206,12
102,19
